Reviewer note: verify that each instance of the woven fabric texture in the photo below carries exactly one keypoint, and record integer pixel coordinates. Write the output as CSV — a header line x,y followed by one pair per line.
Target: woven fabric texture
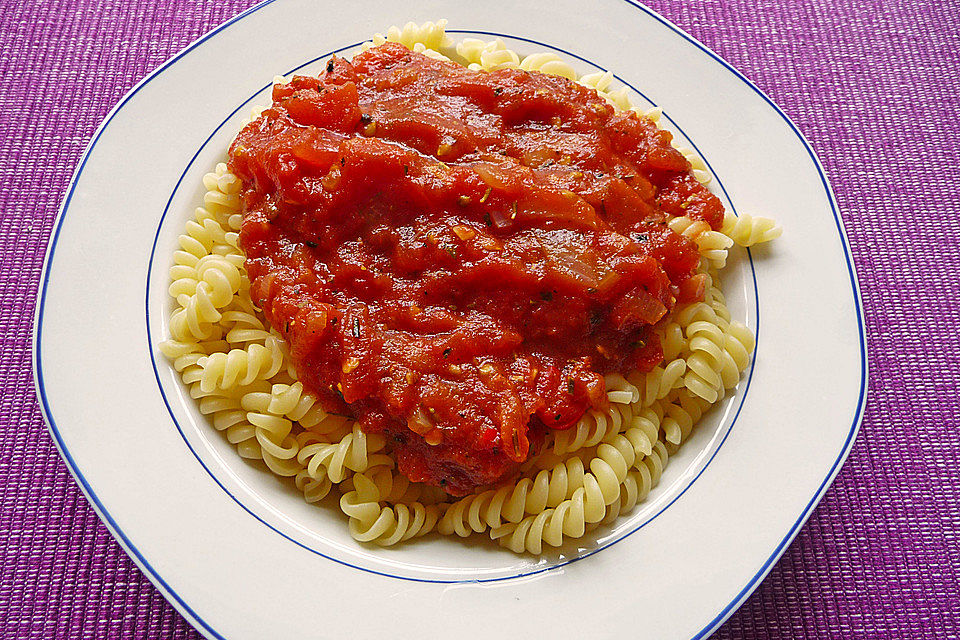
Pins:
x,y
873,85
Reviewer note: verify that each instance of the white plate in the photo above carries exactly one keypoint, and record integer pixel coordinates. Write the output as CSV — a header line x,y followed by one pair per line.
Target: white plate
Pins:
x,y
242,556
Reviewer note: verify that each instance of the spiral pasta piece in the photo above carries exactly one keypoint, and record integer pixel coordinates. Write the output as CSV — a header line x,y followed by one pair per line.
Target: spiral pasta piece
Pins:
x,y
601,487
419,47
282,465
290,401
470,49
385,525
653,114
614,457
644,429
747,230
273,434
681,415
688,227
240,366
568,519
709,364
673,341
203,280
589,431
218,279
499,59
650,468
430,35
174,349
713,245
629,496
489,509
351,453
715,299
619,99
659,381
225,411
620,390
195,320
313,489
395,488
739,342
697,166
549,63
598,81
243,326
699,311
198,241
196,246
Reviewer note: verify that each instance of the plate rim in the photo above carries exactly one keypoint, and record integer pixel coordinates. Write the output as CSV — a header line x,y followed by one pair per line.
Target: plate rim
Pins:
x,y
154,576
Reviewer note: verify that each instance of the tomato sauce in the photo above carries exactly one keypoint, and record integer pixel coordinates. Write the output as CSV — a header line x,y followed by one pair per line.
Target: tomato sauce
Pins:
x,y
457,257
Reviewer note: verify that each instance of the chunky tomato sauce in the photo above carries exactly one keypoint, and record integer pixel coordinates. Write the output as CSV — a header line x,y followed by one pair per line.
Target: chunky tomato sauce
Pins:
x,y
457,257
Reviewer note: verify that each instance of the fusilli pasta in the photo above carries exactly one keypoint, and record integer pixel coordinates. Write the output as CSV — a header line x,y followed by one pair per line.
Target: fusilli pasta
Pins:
x,y
747,230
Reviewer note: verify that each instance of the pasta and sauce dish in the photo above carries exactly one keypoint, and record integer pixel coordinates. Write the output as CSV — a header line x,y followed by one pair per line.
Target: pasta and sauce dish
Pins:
x,y
469,292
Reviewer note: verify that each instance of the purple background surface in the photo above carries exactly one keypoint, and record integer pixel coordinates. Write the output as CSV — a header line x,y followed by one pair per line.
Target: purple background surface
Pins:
x,y
873,85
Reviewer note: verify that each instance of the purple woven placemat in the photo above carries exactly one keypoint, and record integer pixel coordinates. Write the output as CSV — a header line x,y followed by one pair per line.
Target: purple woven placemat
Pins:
x,y
874,86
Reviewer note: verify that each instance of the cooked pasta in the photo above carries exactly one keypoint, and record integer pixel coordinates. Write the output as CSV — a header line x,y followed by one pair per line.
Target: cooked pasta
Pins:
x,y
384,524
659,381
588,432
431,35
747,230
336,459
240,372
509,503
549,63
470,49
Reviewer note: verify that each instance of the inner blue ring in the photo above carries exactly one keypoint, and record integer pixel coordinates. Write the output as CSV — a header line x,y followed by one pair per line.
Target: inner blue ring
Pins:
x,y
521,574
